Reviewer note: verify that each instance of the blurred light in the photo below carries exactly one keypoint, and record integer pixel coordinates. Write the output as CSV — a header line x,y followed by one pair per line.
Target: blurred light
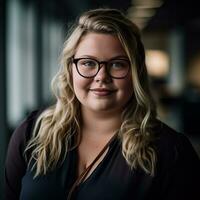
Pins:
x,y
193,74
135,12
157,62
142,11
148,3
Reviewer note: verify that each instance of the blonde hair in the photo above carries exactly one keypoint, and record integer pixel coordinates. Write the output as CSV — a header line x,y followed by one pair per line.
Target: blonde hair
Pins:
x,y
55,127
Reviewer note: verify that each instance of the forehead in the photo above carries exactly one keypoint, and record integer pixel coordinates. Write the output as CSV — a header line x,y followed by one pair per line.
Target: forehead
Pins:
x,y
100,44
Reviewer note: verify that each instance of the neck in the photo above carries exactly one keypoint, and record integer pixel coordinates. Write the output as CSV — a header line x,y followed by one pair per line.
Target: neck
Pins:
x,y
100,124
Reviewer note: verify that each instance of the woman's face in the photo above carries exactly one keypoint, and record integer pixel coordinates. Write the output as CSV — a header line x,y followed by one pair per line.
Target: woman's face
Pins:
x,y
101,93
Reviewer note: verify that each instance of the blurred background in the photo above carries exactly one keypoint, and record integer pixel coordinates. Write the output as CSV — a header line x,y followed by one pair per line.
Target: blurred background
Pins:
x,y
31,37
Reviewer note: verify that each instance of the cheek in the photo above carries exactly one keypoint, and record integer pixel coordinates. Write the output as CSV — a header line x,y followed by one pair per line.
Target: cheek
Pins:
x,y
130,82
127,87
77,84
80,84
126,91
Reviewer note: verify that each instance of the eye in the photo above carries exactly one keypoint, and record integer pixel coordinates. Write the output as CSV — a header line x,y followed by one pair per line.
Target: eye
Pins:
x,y
87,63
118,64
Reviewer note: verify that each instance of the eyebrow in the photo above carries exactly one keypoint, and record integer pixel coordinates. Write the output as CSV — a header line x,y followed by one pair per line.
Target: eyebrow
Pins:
x,y
96,58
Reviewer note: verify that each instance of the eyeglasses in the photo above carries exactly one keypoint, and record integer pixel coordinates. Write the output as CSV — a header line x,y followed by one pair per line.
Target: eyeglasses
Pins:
x,y
89,67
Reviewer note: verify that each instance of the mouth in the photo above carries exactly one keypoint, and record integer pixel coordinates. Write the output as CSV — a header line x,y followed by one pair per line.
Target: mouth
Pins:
x,y
102,91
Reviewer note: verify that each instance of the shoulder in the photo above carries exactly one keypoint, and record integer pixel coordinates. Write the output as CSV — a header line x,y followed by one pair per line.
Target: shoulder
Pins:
x,y
178,164
23,132
173,147
15,164
168,137
24,129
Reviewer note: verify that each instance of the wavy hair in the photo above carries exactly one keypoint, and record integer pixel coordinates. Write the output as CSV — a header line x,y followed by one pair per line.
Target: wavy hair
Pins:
x,y
56,126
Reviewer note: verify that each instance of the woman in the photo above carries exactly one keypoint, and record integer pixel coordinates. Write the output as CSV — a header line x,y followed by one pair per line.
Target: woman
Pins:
x,y
101,140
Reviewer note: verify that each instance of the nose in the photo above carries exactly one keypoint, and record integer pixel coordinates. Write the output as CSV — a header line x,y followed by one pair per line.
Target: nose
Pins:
x,y
102,74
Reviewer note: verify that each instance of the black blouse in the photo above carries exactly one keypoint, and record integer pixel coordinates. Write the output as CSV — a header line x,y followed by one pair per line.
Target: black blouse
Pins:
x,y
177,172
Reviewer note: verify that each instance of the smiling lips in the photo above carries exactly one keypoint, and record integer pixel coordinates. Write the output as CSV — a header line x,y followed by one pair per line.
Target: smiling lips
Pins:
x,y
102,91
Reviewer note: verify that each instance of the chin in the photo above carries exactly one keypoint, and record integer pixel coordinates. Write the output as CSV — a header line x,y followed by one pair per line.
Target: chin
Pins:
x,y
104,108
100,108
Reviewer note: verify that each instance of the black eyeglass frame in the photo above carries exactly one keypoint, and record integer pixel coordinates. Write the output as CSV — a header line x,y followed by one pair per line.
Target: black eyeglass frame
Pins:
x,y
75,61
